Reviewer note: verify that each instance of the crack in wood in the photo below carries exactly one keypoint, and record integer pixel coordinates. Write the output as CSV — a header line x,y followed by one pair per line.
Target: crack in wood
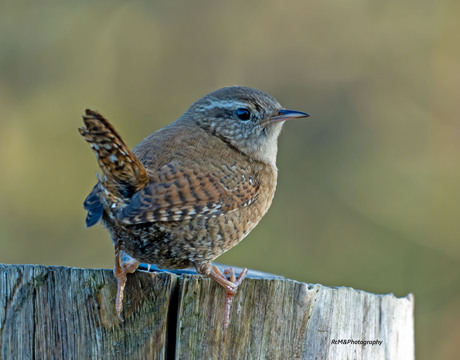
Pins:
x,y
58,312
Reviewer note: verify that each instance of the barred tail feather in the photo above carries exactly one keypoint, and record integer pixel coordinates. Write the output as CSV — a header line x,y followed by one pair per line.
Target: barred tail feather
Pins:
x,y
123,173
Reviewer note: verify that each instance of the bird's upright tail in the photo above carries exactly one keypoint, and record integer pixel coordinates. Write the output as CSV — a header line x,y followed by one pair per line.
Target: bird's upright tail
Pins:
x,y
123,173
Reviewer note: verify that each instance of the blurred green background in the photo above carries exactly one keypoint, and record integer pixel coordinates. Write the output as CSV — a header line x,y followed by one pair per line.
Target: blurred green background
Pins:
x,y
368,187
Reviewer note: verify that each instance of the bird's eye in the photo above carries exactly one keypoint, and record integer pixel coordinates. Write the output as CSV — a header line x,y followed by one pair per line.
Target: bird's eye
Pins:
x,y
243,114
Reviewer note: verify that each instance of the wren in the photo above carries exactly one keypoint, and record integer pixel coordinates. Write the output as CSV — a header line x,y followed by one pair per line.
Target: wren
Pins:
x,y
191,190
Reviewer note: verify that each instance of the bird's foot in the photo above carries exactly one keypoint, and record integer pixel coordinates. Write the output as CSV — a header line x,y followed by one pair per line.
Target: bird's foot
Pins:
x,y
230,283
124,265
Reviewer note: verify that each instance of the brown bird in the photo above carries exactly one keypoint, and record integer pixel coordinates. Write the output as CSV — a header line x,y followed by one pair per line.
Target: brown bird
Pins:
x,y
191,190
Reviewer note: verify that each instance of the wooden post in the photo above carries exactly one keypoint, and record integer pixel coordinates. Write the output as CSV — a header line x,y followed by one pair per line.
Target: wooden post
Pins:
x,y
67,313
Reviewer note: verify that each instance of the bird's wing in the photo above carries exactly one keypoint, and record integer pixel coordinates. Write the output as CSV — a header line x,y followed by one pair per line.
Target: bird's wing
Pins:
x,y
184,194
93,204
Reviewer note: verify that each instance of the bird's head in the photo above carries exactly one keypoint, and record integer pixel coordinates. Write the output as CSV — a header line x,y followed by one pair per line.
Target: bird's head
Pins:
x,y
245,118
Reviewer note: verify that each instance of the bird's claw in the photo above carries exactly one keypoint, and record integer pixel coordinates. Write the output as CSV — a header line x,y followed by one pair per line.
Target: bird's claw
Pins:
x,y
231,283
124,265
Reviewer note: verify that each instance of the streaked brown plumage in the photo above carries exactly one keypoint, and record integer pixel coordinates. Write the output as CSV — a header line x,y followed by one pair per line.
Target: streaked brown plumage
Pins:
x,y
191,190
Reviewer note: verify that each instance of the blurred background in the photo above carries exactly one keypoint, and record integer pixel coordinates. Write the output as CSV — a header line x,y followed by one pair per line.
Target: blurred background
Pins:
x,y
368,187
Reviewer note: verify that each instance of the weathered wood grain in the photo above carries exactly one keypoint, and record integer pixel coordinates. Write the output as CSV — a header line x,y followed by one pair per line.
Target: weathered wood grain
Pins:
x,y
285,319
65,313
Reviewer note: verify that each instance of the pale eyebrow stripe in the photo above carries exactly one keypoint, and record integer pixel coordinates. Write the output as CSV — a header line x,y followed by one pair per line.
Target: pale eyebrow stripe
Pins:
x,y
224,104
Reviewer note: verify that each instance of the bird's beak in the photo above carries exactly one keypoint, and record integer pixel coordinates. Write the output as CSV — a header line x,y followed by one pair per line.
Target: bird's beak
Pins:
x,y
288,115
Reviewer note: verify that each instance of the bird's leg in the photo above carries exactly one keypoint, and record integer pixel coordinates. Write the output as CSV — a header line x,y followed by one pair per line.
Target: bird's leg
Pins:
x,y
230,285
124,265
